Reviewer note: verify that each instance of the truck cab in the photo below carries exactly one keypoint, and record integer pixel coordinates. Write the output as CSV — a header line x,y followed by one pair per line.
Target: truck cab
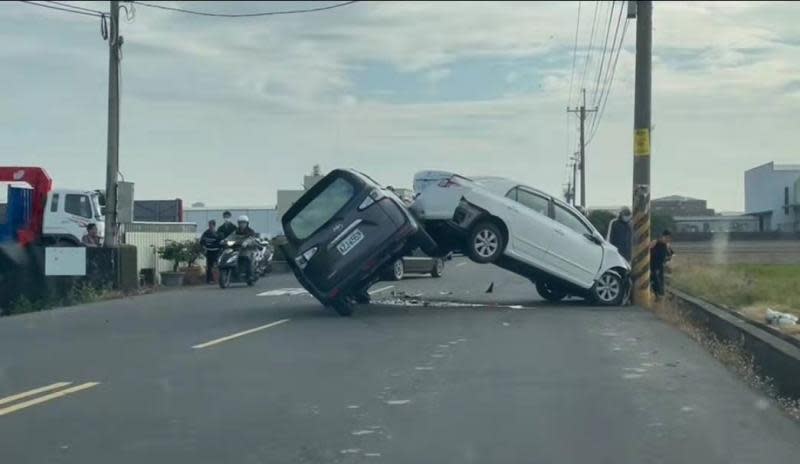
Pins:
x,y
68,212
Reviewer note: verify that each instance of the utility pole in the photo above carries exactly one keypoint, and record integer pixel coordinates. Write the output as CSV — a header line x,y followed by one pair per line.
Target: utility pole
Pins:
x,y
641,154
582,110
112,161
574,175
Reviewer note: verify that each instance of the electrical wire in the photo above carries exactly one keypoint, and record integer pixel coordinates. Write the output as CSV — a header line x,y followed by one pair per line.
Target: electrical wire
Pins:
x,y
595,97
245,15
75,7
574,54
52,7
591,40
611,82
606,86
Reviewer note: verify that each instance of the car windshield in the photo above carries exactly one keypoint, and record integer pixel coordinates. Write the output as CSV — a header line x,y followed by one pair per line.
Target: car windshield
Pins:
x,y
322,208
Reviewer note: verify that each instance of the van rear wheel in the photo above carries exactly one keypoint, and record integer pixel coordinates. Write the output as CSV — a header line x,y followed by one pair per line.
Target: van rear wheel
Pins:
x,y
342,306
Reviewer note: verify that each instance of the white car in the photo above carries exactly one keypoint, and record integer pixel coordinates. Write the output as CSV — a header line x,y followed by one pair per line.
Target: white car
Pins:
x,y
525,231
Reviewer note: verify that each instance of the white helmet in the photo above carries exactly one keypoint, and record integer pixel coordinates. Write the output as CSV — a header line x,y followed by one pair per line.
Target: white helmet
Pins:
x,y
243,218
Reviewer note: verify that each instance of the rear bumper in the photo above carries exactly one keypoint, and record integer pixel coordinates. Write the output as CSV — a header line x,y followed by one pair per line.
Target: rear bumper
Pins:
x,y
389,251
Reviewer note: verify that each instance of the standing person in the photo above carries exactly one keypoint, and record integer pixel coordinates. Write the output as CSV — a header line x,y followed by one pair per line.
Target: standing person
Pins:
x,y
620,232
91,239
210,240
660,253
227,226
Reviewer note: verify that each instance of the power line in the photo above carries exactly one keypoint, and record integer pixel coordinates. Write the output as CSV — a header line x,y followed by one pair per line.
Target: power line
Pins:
x,y
591,40
574,54
245,15
595,98
75,7
610,83
68,10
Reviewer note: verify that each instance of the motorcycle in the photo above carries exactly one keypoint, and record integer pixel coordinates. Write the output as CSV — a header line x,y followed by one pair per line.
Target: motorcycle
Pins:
x,y
263,257
237,256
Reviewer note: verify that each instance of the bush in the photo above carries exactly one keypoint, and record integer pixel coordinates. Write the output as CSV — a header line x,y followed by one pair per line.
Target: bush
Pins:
x,y
181,252
600,220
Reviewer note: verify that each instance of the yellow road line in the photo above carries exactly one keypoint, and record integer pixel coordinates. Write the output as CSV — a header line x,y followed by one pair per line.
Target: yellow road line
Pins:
x,y
51,396
239,334
35,391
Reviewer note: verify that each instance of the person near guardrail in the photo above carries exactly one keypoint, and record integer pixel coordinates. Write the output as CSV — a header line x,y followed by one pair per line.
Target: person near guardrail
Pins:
x,y
210,240
660,253
620,232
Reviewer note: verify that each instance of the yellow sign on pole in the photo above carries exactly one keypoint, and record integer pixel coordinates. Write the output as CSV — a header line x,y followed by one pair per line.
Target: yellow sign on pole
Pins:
x,y
641,142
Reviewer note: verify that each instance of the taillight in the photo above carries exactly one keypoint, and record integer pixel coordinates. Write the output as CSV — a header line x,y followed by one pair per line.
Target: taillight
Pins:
x,y
374,195
304,258
450,182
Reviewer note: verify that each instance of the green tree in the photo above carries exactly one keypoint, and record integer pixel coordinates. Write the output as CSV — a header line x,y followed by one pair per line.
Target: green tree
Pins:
x,y
600,220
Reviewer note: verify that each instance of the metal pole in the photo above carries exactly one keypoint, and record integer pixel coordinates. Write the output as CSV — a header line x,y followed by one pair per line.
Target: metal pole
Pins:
x,y
641,155
583,151
112,161
574,178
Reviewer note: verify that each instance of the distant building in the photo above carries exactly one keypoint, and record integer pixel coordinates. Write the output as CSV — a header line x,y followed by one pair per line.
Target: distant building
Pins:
x,y
719,223
772,195
286,198
264,219
677,205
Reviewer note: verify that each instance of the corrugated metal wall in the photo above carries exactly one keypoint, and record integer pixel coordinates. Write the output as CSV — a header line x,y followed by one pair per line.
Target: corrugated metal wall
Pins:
x,y
263,220
148,237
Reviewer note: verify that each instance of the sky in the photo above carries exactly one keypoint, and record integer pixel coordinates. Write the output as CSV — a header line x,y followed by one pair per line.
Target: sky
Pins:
x,y
226,111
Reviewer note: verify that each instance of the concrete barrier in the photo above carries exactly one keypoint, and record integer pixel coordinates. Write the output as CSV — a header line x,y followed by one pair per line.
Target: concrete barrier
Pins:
x,y
775,356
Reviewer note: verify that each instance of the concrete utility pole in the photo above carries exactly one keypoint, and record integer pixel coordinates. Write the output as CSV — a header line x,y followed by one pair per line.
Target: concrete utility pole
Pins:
x,y
641,154
582,114
112,162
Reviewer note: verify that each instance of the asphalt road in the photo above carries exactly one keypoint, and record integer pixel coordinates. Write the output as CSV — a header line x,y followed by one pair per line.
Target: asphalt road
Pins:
x,y
208,376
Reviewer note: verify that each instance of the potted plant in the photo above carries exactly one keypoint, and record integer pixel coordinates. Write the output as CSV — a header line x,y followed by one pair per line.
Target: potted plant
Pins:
x,y
178,253
193,274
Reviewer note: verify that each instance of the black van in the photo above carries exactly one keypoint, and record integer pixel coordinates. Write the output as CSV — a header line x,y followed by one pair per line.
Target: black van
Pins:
x,y
342,233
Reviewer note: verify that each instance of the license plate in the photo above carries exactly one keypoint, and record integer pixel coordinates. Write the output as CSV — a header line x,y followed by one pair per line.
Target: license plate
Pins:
x,y
350,242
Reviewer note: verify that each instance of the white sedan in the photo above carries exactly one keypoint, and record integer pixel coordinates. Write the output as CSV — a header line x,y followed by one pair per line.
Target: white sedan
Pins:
x,y
523,230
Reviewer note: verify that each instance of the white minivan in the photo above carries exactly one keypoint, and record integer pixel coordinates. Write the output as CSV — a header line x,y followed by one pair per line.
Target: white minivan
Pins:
x,y
526,231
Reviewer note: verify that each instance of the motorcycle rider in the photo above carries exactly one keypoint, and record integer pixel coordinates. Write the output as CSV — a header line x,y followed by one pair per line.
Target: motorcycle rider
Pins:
x,y
227,227
248,238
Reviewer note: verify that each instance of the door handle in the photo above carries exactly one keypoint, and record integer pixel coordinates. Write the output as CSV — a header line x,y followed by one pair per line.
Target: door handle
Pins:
x,y
512,208
559,231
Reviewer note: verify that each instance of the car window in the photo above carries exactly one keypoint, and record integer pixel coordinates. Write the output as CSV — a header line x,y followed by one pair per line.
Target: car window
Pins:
x,y
567,218
512,194
78,205
322,208
533,201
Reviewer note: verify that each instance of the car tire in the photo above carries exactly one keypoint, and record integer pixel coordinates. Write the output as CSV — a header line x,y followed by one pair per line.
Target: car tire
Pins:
x,y
609,290
225,278
342,306
438,267
398,270
549,291
363,297
485,243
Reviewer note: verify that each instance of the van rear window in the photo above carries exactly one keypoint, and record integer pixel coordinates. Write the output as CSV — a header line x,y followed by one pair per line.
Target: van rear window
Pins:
x,y
322,208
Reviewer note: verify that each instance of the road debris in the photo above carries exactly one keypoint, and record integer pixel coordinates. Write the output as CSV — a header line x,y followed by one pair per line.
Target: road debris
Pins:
x,y
780,319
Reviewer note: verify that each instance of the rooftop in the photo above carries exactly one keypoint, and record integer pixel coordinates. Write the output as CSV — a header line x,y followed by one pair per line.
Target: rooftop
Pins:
x,y
677,198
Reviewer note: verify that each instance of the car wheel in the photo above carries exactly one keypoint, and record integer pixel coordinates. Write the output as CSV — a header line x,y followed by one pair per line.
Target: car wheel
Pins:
x,y
225,278
608,290
342,306
485,243
548,291
362,297
438,268
398,270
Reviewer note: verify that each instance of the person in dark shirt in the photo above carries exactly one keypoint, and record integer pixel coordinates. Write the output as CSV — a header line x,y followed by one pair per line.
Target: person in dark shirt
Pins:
x,y
210,240
227,226
660,253
620,233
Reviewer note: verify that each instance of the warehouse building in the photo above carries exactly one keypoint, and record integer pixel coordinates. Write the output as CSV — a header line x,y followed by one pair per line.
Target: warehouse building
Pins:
x,y
772,195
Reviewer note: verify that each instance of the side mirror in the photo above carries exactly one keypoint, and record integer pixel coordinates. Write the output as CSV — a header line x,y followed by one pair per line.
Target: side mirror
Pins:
x,y
593,238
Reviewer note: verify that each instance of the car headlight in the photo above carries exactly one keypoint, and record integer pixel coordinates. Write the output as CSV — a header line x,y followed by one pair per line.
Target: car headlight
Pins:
x,y
230,243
